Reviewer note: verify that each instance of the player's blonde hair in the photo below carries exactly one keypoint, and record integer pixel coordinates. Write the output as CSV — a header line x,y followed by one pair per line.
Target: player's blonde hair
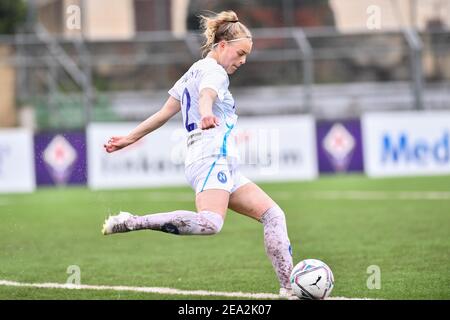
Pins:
x,y
222,26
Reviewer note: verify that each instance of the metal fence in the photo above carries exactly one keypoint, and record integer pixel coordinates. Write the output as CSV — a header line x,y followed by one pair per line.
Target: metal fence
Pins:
x,y
71,82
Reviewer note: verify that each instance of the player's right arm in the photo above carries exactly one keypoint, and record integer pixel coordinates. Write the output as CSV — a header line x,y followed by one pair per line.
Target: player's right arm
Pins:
x,y
170,108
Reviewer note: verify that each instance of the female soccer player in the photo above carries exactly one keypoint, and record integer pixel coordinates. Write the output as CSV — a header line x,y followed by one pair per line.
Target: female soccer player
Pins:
x,y
211,162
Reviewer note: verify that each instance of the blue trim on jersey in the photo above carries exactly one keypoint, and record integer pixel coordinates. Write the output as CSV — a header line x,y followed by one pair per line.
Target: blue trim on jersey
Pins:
x,y
223,152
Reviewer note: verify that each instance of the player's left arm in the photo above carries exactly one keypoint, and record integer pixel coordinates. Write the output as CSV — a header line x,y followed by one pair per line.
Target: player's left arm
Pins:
x,y
208,119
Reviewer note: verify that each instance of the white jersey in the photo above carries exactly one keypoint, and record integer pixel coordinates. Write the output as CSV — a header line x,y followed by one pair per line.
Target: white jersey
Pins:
x,y
216,142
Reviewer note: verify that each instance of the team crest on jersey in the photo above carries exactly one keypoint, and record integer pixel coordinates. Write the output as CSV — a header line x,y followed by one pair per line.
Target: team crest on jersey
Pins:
x,y
222,177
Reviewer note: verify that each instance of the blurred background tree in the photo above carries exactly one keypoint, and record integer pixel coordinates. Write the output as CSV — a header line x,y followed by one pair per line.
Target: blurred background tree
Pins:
x,y
12,15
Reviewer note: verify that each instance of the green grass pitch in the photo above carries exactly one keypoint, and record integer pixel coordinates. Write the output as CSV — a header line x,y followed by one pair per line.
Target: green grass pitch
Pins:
x,y
401,225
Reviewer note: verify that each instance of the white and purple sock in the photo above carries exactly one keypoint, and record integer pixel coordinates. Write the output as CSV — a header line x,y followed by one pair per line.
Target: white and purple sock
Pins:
x,y
180,222
277,244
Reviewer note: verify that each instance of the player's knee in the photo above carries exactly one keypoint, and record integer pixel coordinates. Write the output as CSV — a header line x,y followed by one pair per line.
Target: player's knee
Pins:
x,y
211,222
273,213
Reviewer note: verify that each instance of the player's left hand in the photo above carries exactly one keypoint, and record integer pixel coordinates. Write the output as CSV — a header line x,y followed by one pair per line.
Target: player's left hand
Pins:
x,y
208,122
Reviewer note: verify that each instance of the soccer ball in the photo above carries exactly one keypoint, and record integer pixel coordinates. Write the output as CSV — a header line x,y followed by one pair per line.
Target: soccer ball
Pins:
x,y
312,279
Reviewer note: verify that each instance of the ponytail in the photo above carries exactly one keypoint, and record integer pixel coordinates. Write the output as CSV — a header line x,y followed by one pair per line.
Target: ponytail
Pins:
x,y
222,26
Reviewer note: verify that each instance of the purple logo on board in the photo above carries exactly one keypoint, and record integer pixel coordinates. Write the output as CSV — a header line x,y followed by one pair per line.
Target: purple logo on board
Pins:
x,y
339,146
60,158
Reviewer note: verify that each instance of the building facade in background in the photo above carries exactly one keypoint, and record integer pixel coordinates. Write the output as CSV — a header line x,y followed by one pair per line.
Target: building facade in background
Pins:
x,y
119,19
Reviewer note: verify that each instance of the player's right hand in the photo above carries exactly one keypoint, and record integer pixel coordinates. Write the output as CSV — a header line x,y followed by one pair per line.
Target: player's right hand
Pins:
x,y
208,122
116,143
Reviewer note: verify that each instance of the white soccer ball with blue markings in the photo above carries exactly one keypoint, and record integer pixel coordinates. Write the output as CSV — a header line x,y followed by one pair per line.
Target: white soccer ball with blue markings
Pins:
x,y
312,279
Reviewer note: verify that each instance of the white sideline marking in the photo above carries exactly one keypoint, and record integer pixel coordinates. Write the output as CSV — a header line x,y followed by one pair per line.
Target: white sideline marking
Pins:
x,y
158,290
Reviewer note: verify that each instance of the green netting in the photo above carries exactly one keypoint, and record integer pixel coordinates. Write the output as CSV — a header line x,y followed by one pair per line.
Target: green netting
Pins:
x,y
65,112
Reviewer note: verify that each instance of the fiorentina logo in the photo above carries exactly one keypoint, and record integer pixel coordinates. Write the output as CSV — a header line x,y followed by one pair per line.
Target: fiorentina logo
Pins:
x,y
60,156
339,145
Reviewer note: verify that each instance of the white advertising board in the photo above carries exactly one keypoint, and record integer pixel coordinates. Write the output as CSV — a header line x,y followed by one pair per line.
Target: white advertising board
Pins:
x,y
17,173
406,143
277,148
271,149
155,160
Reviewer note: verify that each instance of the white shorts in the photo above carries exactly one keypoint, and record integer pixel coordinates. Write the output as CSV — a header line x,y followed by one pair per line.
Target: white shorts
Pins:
x,y
214,173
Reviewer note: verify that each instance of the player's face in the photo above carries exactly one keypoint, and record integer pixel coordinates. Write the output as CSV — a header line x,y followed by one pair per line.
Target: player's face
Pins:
x,y
234,54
